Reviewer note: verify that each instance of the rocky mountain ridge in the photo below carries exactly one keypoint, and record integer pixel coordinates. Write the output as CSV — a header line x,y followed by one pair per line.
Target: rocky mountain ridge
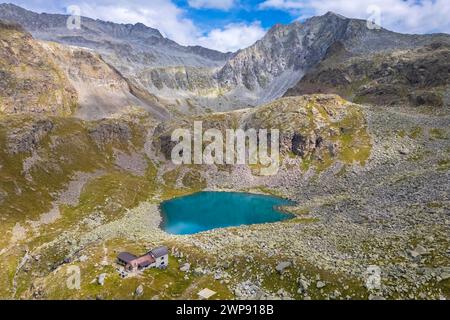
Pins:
x,y
199,80
415,77
143,44
297,48
136,51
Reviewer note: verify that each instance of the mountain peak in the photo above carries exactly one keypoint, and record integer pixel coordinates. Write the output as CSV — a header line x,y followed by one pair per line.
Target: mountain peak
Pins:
x,y
9,5
276,27
145,31
297,24
333,14
281,29
36,21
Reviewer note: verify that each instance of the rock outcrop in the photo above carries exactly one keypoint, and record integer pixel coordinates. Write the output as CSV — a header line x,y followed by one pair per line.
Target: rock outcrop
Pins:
x,y
315,130
27,137
111,131
319,129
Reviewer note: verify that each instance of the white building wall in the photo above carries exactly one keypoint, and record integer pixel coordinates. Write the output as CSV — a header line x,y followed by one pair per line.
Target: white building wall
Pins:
x,y
162,261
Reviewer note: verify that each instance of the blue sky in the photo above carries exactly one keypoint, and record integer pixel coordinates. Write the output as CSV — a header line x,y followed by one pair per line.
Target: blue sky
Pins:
x,y
229,25
244,11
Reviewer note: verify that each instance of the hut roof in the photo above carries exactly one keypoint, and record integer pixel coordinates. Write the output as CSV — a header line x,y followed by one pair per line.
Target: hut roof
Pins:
x,y
160,252
126,257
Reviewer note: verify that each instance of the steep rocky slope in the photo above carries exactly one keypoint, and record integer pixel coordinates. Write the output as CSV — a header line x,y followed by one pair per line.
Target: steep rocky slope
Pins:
x,y
30,81
399,77
138,52
45,77
266,70
102,90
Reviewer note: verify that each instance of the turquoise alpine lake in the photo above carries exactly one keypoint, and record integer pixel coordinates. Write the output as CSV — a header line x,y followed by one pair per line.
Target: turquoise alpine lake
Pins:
x,y
212,210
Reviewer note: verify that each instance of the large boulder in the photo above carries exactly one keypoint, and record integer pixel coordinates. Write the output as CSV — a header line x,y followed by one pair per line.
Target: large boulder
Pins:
x,y
26,138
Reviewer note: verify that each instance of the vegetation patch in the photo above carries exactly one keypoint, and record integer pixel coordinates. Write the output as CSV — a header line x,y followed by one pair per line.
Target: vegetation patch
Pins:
x,y
444,165
437,133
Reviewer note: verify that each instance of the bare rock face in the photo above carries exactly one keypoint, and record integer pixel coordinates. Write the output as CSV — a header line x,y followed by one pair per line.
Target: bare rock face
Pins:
x,y
166,146
302,145
110,131
194,79
294,47
278,61
127,45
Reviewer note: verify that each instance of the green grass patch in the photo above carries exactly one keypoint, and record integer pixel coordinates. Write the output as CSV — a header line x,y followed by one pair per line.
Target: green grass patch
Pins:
x,y
439,134
444,165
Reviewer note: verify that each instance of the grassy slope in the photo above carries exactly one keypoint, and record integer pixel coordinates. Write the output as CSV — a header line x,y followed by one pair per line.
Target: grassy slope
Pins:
x,y
67,149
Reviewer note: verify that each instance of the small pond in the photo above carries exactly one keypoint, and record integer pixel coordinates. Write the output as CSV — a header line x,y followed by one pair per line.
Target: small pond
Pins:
x,y
212,210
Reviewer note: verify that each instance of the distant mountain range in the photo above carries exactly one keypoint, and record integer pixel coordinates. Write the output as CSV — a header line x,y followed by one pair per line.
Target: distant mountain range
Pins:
x,y
196,79
142,44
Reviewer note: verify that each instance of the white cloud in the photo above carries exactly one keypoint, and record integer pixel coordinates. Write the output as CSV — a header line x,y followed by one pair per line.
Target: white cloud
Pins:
x,y
212,4
410,16
160,14
233,37
163,15
174,24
